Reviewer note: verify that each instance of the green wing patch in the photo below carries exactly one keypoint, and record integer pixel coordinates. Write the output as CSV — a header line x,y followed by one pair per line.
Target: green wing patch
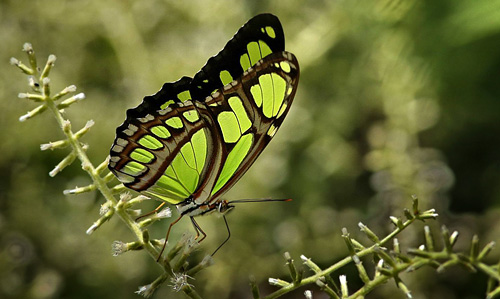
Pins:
x,y
233,161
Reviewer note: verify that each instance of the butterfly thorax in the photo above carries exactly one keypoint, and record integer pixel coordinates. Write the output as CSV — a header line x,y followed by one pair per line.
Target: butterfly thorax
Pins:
x,y
192,208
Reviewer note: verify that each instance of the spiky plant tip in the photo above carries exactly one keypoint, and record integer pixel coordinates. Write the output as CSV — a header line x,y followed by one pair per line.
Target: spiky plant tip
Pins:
x,y
343,285
105,207
118,247
28,48
145,291
207,261
92,228
164,213
125,196
180,281
14,61
277,282
51,59
71,88
134,212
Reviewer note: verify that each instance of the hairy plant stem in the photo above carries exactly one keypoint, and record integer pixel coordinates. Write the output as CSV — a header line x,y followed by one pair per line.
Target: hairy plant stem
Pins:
x,y
371,250
101,184
96,178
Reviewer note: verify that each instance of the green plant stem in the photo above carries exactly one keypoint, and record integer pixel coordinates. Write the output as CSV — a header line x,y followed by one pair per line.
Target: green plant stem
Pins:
x,y
311,279
488,271
431,258
96,178
101,185
379,280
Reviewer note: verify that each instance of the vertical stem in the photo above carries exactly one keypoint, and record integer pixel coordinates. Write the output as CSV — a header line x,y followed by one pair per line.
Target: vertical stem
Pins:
x,y
96,178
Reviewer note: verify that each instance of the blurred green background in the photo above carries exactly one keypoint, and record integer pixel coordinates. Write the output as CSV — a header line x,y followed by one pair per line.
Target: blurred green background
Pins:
x,y
396,98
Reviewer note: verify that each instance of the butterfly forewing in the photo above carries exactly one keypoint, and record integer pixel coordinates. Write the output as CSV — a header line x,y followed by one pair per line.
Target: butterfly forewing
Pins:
x,y
259,37
249,111
201,149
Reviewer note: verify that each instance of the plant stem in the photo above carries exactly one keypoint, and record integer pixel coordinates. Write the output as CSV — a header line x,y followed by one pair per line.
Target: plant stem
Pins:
x,y
101,184
291,286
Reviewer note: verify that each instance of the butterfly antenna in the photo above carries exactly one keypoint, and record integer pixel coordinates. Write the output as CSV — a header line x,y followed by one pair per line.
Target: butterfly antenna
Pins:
x,y
259,200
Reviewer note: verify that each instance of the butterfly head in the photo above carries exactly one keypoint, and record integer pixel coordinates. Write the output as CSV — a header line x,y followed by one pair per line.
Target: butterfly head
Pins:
x,y
223,207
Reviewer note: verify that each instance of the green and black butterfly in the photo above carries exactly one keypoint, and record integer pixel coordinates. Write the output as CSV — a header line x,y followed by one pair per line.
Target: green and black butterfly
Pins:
x,y
193,140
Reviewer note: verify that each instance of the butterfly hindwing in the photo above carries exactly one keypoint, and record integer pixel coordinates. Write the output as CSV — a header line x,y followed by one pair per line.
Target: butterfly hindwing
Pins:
x,y
166,151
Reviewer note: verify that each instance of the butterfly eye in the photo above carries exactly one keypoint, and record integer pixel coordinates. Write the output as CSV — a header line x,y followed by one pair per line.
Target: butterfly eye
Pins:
x,y
224,207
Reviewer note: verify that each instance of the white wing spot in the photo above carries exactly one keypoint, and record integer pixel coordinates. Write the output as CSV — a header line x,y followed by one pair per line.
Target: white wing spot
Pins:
x,y
121,142
117,148
128,132
146,118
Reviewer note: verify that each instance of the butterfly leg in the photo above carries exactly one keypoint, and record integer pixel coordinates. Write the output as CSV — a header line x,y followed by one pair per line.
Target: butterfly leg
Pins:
x,y
152,212
166,238
228,236
198,230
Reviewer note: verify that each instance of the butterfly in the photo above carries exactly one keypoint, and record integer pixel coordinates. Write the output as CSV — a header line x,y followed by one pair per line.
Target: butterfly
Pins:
x,y
194,139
